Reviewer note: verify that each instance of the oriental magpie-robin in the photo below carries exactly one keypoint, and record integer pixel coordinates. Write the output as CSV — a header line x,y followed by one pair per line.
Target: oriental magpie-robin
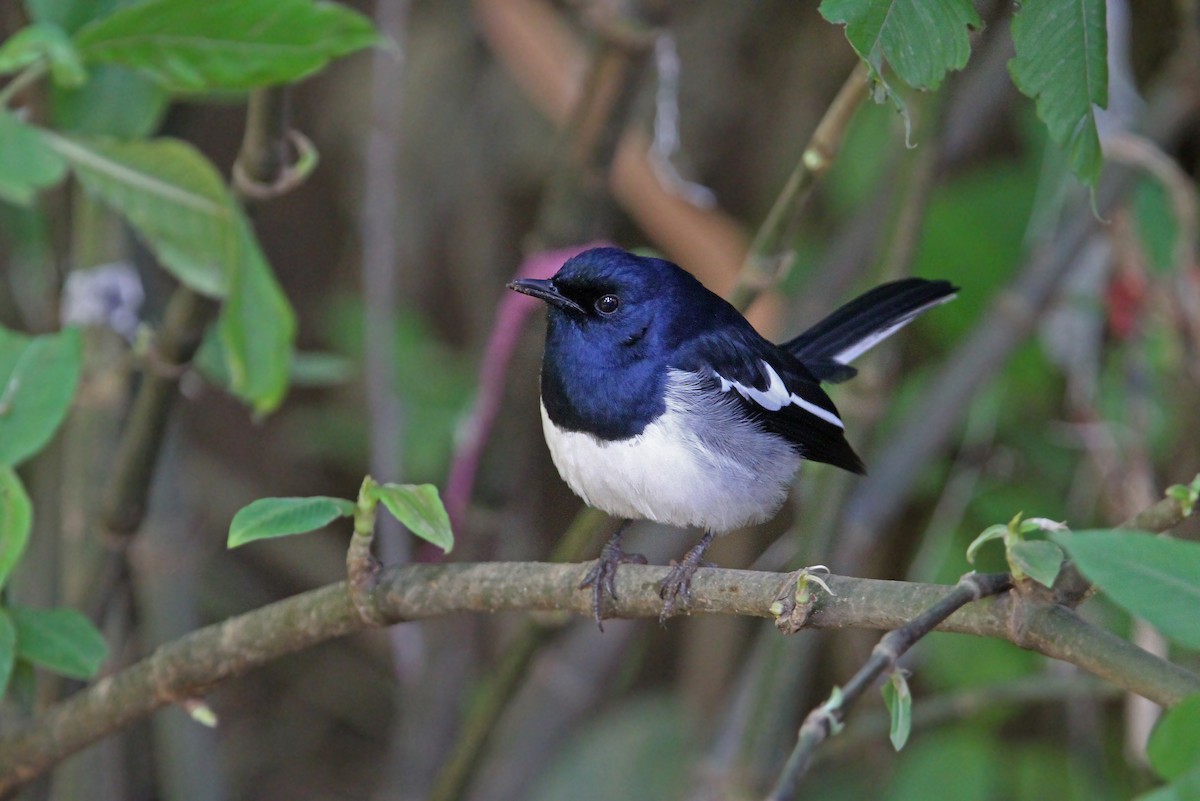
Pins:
x,y
660,402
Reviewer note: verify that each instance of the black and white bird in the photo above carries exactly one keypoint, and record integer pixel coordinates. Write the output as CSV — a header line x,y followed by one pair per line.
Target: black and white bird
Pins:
x,y
660,402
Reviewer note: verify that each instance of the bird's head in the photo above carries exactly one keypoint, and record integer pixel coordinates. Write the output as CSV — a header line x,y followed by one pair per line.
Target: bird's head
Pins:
x,y
611,295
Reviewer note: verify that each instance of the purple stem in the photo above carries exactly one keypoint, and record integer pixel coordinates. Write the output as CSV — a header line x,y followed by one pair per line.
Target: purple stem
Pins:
x,y
514,309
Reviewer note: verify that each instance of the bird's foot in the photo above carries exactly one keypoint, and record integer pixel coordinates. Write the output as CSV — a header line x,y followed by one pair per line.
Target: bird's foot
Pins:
x,y
676,588
603,575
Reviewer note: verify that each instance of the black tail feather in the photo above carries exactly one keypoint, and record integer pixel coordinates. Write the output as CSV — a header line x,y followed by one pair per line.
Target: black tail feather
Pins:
x,y
862,323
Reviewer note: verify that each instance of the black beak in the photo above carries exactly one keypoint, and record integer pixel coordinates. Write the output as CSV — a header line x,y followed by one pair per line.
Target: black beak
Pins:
x,y
544,289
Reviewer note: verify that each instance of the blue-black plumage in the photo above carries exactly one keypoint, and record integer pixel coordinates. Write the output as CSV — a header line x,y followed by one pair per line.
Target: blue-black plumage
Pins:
x,y
661,402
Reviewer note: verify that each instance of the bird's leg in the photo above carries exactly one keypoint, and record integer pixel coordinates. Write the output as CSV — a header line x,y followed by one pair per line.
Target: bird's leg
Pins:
x,y
603,574
677,586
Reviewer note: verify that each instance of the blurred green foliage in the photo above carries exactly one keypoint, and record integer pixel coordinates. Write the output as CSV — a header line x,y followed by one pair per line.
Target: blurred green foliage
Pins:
x,y
435,382
639,751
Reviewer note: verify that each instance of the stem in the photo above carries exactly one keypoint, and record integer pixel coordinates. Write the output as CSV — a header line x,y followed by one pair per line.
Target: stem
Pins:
x,y
264,153
362,568
770,251
828,718
23,79
381,266
129,482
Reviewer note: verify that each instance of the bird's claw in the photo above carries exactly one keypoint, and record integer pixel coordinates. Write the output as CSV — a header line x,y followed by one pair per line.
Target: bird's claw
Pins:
x,y
676,588
603,575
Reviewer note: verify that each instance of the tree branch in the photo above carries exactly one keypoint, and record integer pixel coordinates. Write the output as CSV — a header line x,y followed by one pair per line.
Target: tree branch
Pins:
x,y
829,716
193,664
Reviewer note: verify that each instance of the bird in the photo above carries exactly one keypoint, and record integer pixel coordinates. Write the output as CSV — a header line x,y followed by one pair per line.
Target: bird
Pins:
x,y
659,401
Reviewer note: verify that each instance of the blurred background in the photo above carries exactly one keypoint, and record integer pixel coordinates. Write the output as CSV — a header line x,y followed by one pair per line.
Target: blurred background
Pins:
x,y
1063,383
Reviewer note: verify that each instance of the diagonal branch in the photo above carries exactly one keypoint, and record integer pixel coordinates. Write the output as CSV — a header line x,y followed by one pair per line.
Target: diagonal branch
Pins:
x,y
827,718
771,251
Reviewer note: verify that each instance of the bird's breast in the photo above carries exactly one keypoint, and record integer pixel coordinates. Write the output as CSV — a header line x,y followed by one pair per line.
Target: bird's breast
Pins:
x,y
698,463
584,391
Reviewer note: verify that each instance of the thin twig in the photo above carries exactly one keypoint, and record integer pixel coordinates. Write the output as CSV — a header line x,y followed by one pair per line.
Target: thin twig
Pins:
x,y
380,268
191,665
918,176
128,486
828,717
770,252
23,80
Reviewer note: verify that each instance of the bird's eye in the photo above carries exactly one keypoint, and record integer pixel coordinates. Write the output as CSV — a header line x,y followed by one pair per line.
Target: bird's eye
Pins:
x,y
608,304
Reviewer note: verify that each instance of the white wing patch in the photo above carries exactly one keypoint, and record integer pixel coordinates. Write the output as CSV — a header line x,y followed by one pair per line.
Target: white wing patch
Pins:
x,y
776,396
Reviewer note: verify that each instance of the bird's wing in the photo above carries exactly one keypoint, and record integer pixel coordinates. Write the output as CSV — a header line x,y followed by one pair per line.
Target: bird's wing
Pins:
x,y
774,390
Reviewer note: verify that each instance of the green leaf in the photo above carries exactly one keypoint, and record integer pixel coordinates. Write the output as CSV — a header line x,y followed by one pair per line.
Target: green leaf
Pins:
x,y
1152,577
1157,228
61,640
71,15
1038,559
257,328
278,517
921,39
990,533
38,376
420,509
116,102
8,650
1185,788
27,164
172,196
1174,746
191,46
16,519
43,41
1062,62
898,699
178,203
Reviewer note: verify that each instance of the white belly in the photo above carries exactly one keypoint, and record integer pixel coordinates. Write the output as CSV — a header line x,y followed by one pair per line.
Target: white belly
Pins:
x,y
731,475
